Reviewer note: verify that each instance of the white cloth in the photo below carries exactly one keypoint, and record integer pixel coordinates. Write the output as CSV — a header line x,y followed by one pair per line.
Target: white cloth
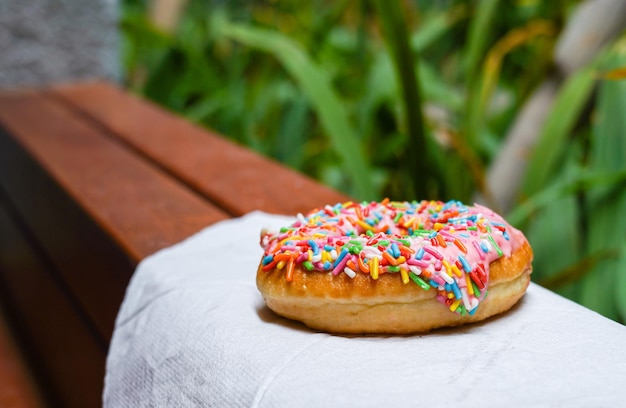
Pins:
x,y
193,331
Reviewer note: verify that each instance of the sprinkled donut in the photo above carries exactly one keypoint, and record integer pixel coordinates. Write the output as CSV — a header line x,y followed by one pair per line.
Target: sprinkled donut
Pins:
x,y
393,267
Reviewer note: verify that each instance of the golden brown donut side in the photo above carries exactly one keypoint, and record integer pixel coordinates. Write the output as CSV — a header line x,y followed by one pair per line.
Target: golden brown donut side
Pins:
x,y
362,305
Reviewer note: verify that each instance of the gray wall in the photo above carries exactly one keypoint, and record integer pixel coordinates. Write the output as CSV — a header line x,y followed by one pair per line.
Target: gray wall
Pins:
x,y
54,41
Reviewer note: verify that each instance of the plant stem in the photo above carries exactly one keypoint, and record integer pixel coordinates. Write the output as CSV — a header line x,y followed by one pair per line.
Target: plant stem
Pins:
x,y
415,158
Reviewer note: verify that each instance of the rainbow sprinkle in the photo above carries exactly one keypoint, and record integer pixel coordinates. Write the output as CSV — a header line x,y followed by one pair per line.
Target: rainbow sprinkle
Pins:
x,y
439,246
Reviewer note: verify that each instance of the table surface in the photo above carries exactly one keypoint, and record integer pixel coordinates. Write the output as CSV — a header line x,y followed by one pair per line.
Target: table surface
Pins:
x,y
193,330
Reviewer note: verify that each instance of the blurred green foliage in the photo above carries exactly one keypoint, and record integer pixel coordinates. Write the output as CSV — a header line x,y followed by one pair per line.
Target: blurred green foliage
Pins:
x,y
410,100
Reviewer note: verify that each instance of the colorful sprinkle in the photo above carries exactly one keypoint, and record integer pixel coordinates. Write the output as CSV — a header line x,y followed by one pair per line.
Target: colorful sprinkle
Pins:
x,y
374,268
466,265
460,245
419,281
405,276
426,242
420,254
495,245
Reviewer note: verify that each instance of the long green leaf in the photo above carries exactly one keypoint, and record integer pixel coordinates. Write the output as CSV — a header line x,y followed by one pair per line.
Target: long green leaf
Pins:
x,y
417,163
382,86
437,90
559,124
620,285
575,272
580,183
433,27
605,289
291,134
316,85
479,31
552,231
607,228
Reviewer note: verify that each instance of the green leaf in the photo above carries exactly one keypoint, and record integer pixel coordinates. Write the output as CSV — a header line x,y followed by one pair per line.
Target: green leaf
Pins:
x,y
604,289
316,85
575,272
479,31
558,126
607,229
620,285
581,182
290,140
615,74
380,87
417,169
437,89
435,26
554,231
609,144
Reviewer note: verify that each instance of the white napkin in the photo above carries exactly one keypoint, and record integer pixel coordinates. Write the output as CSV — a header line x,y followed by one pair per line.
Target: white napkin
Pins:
x,y
193,331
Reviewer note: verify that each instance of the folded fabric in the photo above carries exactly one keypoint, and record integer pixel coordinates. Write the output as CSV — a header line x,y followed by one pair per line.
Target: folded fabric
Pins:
x,y
193,331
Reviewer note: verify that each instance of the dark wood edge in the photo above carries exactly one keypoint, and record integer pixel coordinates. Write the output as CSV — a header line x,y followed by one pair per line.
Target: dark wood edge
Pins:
x,y
63,351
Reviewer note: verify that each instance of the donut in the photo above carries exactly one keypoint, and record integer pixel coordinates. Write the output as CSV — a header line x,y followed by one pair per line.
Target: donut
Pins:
x,y
393,267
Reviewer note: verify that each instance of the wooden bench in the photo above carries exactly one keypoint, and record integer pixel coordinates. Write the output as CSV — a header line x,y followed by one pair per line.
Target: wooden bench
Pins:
x,y
92,180
17,387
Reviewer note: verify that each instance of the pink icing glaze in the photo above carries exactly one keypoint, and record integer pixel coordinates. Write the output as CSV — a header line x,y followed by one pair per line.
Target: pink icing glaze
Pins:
x,y
446,246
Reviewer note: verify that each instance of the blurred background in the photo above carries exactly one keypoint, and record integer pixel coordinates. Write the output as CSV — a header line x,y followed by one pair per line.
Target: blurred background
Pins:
x,y
520,105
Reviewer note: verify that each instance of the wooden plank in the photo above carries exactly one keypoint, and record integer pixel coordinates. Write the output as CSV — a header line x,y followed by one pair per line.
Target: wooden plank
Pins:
x,y
18,386
236,179
101,175
66,353
96,207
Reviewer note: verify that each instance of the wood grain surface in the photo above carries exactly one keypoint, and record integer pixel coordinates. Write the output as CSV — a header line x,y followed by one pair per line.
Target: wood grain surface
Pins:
x,y
67,353
18,387
233,177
